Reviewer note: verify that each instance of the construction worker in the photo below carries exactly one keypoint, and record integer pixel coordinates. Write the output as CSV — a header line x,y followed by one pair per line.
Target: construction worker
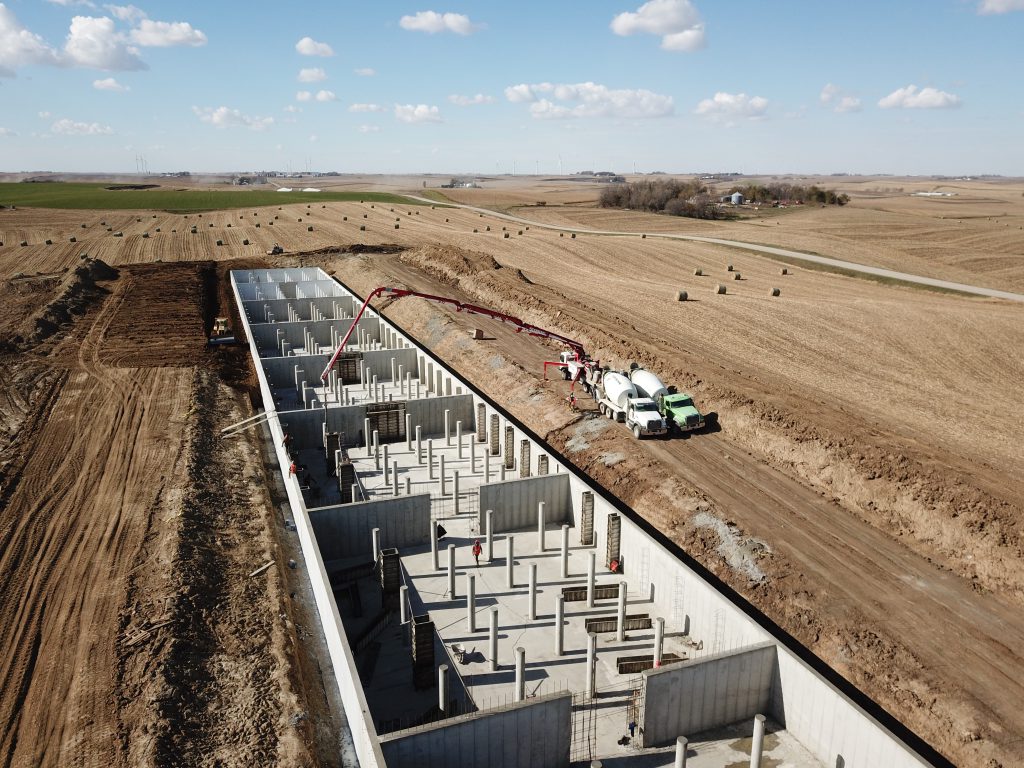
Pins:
x,y
287,440
294,468
477,549
572,402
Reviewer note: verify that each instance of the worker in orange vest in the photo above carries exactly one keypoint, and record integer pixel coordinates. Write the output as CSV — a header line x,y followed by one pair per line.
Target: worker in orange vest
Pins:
x,y
477,549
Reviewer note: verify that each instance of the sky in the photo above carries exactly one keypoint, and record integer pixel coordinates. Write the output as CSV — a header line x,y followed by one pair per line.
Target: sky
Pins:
x,y
682,86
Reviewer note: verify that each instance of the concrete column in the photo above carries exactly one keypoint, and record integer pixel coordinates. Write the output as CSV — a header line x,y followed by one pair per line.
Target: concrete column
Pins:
x,y
362,371
408,486
376,390
376,450
394,371
418,393
447,426
387,466
489,528
659,640
620,625
408,432
470,602
367,436
520,674
565,551
433,545
533,591
419,444
681,745
472,455
375,535
758,744
591,662
559,625
591,566
455,489
510,581
487,466
430,458
458,437
502,472
540,526
444,477
493,640
430,376
355,492
451,571
403,603
394,476
407,389
442,687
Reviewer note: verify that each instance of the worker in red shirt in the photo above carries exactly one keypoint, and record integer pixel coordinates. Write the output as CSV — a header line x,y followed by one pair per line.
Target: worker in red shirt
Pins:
x,y
477,549
293,469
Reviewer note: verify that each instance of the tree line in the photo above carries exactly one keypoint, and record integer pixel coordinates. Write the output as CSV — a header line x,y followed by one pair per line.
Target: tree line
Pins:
x,y
790,193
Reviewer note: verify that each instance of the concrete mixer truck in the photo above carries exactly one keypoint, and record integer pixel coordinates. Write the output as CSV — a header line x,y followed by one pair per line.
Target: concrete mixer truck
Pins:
x,y
619,400
677,407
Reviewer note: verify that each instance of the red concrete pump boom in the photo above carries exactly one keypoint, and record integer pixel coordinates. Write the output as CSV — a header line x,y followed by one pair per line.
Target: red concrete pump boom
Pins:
x,y
459,306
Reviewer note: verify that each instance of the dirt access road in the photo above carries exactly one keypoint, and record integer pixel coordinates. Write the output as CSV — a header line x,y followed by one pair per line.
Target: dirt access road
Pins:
x,y
133,633
852,592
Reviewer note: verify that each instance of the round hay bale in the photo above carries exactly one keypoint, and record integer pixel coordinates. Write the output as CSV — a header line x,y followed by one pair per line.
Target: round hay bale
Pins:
x,y
735,275
783,271
145,235
110,229
446,221
398,218
211,225
643,237
270,223
474,231
527,228
245,242
299,219
561,234
72,239
698,272
344,218
720,289
154,215
776,292
158,229
432,208
396,226
138,219
240,217
371,205
573,235
728,267
309,229
520,231
362,227
506,235
257,225
49,242
229,225
173,231
220,242
275,218
83,226
24,243
489,229
681,296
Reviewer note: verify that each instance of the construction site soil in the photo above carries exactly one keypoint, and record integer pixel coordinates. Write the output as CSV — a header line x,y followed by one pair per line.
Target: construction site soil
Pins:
x,y
863,487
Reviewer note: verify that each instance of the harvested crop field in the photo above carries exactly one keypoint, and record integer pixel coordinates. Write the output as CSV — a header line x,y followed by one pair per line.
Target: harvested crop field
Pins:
x,y
864,489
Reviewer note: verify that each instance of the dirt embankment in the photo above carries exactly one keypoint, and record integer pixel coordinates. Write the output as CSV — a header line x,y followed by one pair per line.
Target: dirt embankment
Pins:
x,y
844,576
135,633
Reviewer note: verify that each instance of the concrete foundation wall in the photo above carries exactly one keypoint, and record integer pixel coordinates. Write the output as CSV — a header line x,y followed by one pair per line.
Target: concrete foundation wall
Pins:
x,y
378,362
281,274
344,531
534,733
267,335
306,427
281,370
688,698
515,502
309,289
256,310
831,726
429,414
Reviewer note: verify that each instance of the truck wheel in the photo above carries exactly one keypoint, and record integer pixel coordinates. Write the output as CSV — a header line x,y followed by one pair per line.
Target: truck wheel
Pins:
x,y
636,431
565,374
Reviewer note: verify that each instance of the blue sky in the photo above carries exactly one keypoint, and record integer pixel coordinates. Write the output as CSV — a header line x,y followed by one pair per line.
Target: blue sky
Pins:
x,y
931,86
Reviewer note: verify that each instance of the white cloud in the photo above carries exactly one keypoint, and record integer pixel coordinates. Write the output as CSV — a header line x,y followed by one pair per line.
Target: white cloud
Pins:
x,y
312,75
987,7
292,109
326,96
19,47
307,46
128,13
369,128
312,137
94,42
589,100
432,22
67,127
366,108
6,132
419,113
910,97
303,96
677,22
835,96
730,107
469,101
165,34
109,84
225,117
44,115
365,71
848,104
72,3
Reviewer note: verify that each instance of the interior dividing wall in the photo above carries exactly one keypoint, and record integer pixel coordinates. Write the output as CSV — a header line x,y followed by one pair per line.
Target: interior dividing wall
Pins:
x,y
345,531
514,502
429,414
690,697
535,733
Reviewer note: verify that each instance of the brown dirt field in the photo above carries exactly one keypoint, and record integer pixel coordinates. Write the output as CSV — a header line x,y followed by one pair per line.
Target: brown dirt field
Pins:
x,y
868,469
133,633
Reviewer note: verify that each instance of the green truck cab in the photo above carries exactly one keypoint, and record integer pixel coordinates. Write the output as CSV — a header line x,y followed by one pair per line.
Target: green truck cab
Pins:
x,y
680,412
